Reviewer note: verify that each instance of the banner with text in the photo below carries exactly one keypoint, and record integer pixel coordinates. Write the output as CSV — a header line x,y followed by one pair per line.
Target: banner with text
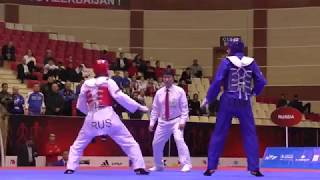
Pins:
x,y
103,4
298,157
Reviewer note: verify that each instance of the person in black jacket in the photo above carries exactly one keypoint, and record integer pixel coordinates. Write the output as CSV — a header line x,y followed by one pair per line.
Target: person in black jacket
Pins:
x,y
24,72
122,62
195,106
282,101
296,103
54,101
186,76
26,154
9,52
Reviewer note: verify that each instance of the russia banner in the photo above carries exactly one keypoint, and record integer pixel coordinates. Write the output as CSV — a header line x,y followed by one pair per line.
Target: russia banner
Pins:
x,y
294,157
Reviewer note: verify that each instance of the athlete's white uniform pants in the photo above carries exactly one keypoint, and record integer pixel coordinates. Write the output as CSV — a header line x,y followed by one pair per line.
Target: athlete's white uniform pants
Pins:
x,y
105,122
162,135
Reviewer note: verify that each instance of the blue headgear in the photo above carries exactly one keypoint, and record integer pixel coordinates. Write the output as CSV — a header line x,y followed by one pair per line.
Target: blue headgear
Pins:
x,y
235,46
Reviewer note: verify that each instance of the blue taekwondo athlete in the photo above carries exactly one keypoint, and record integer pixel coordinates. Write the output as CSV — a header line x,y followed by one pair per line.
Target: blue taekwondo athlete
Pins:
x,y
236,74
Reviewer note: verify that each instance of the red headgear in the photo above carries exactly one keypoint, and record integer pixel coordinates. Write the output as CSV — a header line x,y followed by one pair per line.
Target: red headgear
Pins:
x,y
101,67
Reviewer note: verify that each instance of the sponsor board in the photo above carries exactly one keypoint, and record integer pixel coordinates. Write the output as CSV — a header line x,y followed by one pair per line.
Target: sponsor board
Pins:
x,y
302,157
122,161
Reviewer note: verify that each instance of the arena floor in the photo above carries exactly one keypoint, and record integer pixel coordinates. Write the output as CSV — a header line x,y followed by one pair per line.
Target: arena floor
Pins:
x,y
170,174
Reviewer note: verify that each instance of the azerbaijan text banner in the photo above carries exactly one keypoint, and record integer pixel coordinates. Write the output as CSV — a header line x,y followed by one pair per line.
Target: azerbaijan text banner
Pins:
x,y
104,4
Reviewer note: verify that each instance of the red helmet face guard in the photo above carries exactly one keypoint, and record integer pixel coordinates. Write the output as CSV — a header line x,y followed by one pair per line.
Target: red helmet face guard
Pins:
x,y
101,67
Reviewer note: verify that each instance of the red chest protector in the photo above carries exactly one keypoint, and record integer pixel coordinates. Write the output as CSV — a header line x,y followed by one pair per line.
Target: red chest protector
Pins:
x,y
103,97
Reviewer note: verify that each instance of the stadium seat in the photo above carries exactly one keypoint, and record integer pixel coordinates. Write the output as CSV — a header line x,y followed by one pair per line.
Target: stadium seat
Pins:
x,y
125,116
194,119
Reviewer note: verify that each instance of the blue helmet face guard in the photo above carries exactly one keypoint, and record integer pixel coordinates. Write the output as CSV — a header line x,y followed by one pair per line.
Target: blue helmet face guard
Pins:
x,y
235,46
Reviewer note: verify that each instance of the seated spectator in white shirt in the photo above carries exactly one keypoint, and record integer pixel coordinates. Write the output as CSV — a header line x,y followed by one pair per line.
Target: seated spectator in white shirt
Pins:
x,y
50,69
30,60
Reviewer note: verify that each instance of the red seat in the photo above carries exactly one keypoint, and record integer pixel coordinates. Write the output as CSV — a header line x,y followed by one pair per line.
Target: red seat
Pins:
x,y
13,66
39,75
30,83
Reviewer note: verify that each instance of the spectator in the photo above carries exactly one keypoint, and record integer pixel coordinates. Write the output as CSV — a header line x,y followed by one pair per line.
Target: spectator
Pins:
x,y
24,71
122,62
30,60
50,69
78,87
52,150
80,74
196,69
149,71
1,60
282,101
139,63
117,78
158,70
183,85
69,60
295,103
126,90
136,114
151,88
5,96
17,102
186,76
169,68
46,88
35,102
126,80
189,102
118,109
9,52
54,101
159,83
63,161
213,107
61,72
105,55
133,70
70,73
142,84
48,57
26,154
29,57
142,98
195,106
68,97
134,86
